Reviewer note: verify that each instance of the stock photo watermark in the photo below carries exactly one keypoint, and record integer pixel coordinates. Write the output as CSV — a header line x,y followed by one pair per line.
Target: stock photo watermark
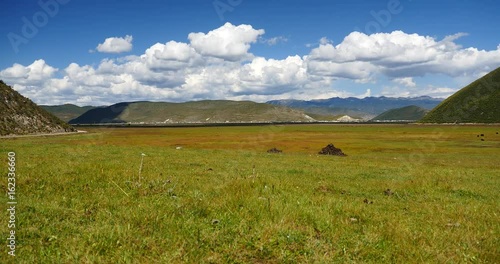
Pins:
x,y
382,18
224,6
31,26
11,203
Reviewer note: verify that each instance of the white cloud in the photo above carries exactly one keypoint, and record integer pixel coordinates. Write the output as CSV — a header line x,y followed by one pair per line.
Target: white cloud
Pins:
x,y
228,42
356,70
400,55
368,93
33,74
84,100
274,41
407,81
219,65
271,76
432,91
325,41
171,56
116,45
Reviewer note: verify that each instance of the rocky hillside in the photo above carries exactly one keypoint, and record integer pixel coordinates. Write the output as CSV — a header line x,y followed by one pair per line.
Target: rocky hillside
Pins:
x,y
20,116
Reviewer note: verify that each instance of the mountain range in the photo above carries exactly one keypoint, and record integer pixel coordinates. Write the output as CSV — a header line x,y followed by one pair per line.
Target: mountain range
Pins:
x,y
216,111
220,111
365,108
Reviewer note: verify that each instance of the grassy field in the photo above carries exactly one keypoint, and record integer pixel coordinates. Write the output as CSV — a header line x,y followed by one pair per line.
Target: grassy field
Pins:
x,y
213,195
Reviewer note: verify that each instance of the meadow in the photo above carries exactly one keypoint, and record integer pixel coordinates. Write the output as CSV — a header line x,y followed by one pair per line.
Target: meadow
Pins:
x,y
214,195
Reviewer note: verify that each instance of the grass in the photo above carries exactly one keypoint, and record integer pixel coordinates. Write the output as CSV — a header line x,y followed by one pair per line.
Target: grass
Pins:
x,y
223,199
411,112
475,103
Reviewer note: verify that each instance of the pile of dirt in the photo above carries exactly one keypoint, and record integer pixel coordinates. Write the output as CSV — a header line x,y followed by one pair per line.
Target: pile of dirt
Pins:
x,y
332,150
274,150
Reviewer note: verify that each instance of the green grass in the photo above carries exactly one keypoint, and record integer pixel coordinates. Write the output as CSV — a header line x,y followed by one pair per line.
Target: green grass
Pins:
x,y
411,112
223,199
478,102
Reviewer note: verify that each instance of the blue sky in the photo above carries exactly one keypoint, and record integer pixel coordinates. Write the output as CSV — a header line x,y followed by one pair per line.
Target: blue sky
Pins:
x,y
102,52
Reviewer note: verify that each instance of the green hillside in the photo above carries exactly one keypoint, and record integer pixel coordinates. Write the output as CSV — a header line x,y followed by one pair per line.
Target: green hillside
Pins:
x,y
20,116
408,113
479,102
191,112
67,112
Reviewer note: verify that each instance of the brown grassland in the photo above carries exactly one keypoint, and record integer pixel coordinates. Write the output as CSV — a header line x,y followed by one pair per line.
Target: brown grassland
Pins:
x,y
214,195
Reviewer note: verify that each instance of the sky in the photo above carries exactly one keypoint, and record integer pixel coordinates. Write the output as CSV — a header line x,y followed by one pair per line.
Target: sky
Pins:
x,y
100,52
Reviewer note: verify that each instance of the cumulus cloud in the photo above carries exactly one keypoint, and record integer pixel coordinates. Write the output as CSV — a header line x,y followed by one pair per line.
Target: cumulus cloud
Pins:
x,y
400,55
228,42
33,74
116,45
171,56
408,81
269,76
219,65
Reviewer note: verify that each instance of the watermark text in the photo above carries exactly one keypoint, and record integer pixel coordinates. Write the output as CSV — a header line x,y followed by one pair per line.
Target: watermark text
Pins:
x,y
30,27
11,203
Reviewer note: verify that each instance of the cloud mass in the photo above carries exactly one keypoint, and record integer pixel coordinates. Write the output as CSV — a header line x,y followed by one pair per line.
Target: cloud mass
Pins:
x,y
219,64
116,45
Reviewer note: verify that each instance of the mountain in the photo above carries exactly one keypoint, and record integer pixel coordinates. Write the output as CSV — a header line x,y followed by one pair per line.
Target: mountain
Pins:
x,y
478,102
67,112
407,113
20,116
219,111
366,107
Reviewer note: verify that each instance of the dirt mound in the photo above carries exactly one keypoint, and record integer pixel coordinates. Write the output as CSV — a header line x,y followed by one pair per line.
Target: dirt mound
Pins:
x,y
274,150
332,150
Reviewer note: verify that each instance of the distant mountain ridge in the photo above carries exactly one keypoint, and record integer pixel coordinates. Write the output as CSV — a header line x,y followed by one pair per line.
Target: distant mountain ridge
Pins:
x,y
367,107
478,102
216,111
20,116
